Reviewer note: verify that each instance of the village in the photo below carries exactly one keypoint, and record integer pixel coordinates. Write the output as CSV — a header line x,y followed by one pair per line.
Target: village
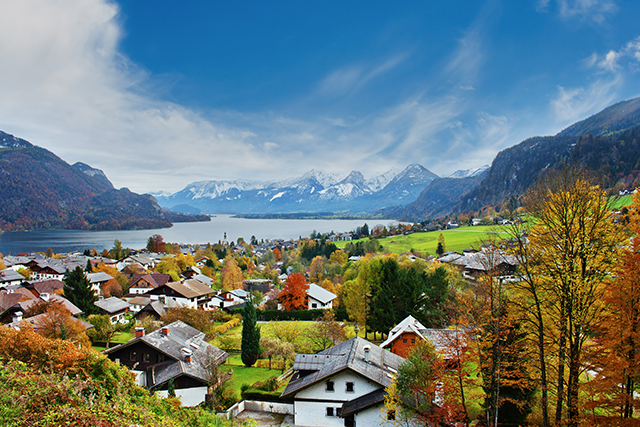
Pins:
x,y
172,317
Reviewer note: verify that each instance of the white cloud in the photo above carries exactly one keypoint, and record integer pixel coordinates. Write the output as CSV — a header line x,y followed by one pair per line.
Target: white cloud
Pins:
x,y
587,10
573,104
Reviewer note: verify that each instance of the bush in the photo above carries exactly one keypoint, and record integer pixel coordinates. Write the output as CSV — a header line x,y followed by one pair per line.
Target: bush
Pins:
x,y
261,395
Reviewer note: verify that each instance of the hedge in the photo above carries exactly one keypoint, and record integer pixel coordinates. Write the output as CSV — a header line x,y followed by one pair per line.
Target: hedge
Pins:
x,y
263,396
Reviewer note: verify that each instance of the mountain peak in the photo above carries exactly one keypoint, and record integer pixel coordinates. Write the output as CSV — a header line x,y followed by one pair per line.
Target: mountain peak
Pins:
x,y
10,141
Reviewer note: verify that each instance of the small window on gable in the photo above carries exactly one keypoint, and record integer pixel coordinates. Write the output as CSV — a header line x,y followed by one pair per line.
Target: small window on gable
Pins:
x,y
350,387
161,358
404,340
145,357
413,341
314,305
329,411
329,386
132,355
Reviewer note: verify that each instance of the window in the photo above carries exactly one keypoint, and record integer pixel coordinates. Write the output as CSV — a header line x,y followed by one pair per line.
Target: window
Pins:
x,y
132,355
413,341
349,421
145,357
314,305
391,414
349,387
161,358
404,340
338,412
329,411
329,386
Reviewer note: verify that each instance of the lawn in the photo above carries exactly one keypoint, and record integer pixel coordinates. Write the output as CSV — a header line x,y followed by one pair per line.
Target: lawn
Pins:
x,y
243,375
455,240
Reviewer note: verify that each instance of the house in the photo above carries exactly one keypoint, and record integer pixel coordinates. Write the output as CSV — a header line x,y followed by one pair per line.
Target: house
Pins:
x,y
10,277
12,295
406,334
114,307
260,285
138,302
342,386
23,306
97,281
141,261
175,352
143,283
154,309
319,298
45,286
189,293
43,271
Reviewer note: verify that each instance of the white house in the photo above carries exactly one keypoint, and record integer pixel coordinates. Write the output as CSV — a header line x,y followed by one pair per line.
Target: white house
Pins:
x,y
97,280
343,385
319,298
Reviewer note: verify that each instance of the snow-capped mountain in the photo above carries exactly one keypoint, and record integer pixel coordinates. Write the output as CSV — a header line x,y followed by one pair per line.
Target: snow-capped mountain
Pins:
x,y
468,172
314,191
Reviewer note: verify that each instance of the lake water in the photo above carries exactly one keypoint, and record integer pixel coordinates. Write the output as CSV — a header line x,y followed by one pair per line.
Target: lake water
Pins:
x,y
63,241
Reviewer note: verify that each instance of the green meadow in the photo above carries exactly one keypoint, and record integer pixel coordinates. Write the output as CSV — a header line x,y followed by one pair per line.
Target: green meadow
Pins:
x,y
455,240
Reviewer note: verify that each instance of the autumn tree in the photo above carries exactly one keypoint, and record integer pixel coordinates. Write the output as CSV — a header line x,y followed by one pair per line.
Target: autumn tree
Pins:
x,y
615,356
231,274
277,349
57,322
103,330
277,253
440,250
575,242
326,331
116,252
156,243
77,289
293,295
316,271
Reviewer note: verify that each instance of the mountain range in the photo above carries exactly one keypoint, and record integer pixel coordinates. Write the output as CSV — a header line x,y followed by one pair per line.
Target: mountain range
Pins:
x,y
315,191
39,190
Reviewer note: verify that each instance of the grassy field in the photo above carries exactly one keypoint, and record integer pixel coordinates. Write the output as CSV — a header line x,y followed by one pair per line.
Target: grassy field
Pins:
x,y
622,201
426,243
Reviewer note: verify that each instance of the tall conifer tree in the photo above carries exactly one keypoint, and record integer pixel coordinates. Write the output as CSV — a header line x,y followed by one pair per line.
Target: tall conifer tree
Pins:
x,y
77,289
250,347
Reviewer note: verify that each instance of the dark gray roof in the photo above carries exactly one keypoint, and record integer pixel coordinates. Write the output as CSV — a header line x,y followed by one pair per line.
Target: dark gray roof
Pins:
x,y
363,402
380,368
154,307
180,336
10,276
112,304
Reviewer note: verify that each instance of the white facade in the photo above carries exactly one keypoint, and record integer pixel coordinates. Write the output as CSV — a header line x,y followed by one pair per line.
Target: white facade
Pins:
x,y
314,304
311,403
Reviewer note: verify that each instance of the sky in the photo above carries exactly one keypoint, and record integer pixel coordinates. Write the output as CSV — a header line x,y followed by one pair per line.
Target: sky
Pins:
x,y
159,93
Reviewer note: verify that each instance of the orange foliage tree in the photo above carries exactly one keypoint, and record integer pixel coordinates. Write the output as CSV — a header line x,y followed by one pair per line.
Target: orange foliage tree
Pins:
x,y
57,322
294,293
618,345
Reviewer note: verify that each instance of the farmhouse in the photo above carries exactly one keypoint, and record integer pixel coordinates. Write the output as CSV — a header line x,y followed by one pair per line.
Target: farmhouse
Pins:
x,y
343,385
406,334
175,352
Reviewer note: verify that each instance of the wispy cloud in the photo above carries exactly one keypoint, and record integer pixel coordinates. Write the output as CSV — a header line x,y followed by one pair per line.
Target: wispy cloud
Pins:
x,y
573,104
597,11
352,78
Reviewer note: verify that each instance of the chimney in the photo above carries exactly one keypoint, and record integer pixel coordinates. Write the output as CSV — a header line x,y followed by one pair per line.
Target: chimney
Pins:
x,y
186,354
44,296
164,330
17,316
139,332
367,349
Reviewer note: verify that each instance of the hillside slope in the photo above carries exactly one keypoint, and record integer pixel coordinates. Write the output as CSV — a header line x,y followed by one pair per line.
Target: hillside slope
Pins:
x,y
41,191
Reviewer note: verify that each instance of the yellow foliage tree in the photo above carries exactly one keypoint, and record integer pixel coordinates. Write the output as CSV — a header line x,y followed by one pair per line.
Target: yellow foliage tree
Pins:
x,y
231,274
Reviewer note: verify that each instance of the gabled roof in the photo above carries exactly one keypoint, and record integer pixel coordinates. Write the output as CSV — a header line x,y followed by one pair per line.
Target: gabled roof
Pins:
x,y
320,294
35,322
154,279
350,354
98,277
187,289
180,336
10,297
10,276
440,338
112,305
363,402
154,307
46,286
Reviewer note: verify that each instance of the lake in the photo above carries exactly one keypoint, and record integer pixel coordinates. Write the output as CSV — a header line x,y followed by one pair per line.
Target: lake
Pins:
x,y
63,241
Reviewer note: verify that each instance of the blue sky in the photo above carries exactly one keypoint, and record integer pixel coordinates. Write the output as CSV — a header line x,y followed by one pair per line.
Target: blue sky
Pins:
x,y
160,93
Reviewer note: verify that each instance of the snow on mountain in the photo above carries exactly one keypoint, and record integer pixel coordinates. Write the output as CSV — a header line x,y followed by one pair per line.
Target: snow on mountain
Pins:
x,y
378,182
468,172
213,189
354,185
